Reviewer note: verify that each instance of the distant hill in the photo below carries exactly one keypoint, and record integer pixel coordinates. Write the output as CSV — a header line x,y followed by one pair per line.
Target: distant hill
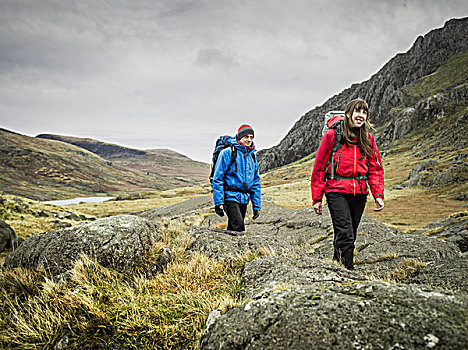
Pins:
x,y
102,149
52,167
167,168
399,99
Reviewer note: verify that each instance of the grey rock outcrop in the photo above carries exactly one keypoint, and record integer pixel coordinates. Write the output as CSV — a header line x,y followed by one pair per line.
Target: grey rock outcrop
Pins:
x,y
305,313
444,274
427,174
273,272
420,172
180,211
115,242
383,91
220,245
382,257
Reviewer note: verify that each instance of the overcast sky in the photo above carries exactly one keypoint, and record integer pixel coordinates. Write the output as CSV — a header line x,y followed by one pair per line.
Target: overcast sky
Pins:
x,y
178,73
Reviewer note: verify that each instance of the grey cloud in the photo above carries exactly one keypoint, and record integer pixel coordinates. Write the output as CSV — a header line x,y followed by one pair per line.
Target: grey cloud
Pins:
x,y
188,64
215,57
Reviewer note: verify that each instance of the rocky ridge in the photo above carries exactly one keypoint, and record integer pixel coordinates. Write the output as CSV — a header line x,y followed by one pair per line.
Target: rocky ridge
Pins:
x,y
383,91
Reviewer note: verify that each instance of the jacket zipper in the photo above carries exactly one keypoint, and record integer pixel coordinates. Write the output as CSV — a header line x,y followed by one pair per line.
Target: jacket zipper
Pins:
x,y
247,177
354,171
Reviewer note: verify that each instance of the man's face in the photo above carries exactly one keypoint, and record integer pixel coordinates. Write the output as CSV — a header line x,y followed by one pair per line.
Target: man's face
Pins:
x,y
247,140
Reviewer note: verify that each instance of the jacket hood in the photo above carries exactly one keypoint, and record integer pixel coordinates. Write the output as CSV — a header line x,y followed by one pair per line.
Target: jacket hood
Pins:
x,y
241,147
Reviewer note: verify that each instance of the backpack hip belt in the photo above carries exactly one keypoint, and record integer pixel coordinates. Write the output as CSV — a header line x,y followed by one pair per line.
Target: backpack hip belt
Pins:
x,y
227,188
329,176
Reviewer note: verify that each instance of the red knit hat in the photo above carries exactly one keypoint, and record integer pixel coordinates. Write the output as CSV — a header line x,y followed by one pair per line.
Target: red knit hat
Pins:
x,y
244,130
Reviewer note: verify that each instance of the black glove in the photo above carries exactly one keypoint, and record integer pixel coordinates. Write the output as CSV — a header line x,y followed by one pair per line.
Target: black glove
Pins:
x,y
256,213
219,210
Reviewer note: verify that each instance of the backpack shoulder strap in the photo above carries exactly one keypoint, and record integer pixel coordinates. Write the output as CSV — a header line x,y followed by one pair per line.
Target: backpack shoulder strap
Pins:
x,y
233,156
338,136
338,127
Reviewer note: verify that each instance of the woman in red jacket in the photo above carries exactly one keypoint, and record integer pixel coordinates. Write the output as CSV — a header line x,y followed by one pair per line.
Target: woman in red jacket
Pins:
x,y
343,176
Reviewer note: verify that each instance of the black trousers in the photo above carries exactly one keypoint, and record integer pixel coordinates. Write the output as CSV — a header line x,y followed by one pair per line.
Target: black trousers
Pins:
x,y
236,214
346,211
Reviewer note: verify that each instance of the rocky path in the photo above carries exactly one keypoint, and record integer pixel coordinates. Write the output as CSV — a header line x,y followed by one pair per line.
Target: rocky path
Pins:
x,y
405,293
408,291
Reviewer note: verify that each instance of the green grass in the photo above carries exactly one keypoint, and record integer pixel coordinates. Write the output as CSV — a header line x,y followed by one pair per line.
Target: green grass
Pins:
x,y
451,74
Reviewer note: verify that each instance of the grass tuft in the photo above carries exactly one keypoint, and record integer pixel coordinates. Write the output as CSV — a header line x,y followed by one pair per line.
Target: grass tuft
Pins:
x,y
407,268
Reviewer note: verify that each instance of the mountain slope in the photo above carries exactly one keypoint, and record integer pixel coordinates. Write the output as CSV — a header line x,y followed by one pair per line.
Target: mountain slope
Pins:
x,y
383,91
167,168
46,169
425,149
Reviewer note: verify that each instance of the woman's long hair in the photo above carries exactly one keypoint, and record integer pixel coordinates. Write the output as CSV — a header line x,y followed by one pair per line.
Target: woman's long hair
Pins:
x,y
362,133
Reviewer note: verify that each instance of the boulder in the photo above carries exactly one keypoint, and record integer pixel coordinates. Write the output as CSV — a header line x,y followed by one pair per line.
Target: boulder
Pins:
x,y
422,174
117,242
8,237
275,272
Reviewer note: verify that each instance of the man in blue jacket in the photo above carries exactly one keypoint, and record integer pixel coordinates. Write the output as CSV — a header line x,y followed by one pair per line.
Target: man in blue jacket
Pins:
x,y
237,183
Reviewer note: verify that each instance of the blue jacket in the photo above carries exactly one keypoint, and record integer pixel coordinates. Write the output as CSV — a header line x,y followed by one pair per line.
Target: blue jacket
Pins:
x,y
246,177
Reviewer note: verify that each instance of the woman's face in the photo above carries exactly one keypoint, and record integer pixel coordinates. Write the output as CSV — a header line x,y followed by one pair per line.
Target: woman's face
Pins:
x,y
358,118
247,140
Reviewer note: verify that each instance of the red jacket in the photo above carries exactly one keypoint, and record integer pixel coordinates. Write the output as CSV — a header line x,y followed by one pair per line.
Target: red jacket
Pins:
x,y
348,162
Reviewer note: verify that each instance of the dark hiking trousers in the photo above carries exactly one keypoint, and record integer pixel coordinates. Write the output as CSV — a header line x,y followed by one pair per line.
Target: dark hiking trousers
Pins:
x,y
346,211
236,214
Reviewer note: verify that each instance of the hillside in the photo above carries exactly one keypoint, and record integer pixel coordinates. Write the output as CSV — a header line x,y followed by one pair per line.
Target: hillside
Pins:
x,y
45,169
168,169
387,90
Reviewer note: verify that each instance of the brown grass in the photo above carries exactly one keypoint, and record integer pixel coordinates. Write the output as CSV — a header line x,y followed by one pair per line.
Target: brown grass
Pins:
x,y
101,309
407,268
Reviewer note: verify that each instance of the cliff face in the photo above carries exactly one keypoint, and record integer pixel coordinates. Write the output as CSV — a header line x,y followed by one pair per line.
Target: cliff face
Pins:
x,y
383,91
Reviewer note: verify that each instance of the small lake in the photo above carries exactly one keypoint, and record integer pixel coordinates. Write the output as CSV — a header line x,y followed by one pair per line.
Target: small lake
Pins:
x,y
79,200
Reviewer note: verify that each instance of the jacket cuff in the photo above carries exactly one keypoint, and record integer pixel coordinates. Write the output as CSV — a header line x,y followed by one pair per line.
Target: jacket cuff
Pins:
x,y
379,195
319,200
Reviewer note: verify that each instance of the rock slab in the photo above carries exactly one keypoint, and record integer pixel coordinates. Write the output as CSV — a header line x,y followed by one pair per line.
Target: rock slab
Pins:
x,y
309,304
